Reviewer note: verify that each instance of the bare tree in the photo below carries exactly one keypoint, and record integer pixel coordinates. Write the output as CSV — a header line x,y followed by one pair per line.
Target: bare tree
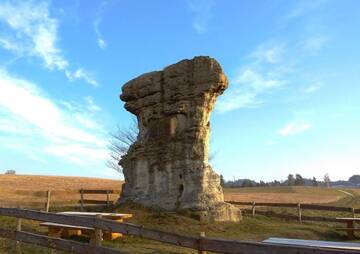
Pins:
x,y
119,143
327,180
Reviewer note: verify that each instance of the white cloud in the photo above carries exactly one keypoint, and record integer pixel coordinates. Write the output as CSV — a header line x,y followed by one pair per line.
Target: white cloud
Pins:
x,y
25,107
33,32
99,38
257,81
82,74
7,44
269,54
252,82
248,85
293,128
77,153
236,100
313,88
202,11
91,105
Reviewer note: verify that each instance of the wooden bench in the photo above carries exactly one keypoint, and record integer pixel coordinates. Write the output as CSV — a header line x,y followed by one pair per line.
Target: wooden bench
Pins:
x,y
313,243
63,230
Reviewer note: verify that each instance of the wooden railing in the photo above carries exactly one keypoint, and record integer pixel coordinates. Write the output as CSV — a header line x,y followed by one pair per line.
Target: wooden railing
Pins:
x,y
300,207
192,242
106,202
47,199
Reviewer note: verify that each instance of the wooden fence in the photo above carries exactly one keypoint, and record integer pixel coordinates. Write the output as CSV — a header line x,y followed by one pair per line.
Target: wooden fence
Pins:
x,y
45,200
106,202
197,243
299,207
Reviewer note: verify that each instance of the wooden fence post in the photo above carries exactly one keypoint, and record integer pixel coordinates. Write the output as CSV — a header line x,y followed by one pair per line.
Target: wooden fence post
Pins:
x,y
18,229
98,233
107,198
202,235
47,205
82,199
353,212
299,212
253,208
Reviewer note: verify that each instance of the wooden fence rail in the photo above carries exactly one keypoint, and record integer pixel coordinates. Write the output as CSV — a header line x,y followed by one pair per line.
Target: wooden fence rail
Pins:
x,y
197,243
84,201
55,243
299,207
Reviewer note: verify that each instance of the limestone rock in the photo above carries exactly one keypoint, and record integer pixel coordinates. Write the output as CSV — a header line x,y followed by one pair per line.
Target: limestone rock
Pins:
x,y
167,166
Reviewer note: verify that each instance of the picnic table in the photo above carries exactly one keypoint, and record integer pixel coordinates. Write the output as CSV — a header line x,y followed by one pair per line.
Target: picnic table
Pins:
x,y
350,226
63,230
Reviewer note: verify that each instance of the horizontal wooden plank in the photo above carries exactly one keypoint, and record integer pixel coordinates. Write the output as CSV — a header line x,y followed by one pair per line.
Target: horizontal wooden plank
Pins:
x,y
93,201
276,204
293,217
208,244
314,243
98,191
236,247
303,206
56,243
326,208
239,202
264,204
57,225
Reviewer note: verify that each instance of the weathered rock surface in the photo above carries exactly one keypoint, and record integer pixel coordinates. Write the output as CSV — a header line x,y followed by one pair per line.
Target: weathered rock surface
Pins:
x,y
168,165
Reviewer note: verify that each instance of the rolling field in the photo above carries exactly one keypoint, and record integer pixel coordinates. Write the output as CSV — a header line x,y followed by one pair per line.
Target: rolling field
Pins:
x,y
29,190
285,194
18,189
22,189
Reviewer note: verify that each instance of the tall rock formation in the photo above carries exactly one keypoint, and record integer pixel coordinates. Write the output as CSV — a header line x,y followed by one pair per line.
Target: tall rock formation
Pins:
x,y
168,165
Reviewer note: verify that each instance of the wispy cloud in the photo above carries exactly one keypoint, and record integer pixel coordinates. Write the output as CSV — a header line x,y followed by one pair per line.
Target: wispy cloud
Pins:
x,y
315,43
24,105
252,81
313,88
269,54
82,74
98,19
303,7
202,11
33,32
91,105
295,127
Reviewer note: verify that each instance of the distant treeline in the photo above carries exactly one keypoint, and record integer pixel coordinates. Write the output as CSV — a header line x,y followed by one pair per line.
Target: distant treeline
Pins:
x,y
293,180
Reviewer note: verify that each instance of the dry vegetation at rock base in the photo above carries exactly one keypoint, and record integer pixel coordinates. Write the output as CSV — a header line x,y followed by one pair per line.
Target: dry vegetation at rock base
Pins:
x,y
250,228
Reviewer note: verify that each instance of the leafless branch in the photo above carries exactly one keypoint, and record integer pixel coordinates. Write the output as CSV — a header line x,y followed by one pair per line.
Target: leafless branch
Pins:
x,y
119,143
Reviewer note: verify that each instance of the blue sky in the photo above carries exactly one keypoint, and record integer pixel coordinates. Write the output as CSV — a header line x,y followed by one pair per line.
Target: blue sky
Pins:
x,y
292,105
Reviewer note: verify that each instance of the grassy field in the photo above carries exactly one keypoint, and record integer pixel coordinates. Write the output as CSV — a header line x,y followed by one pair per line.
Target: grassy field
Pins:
x,y
29,190
285,194
249,228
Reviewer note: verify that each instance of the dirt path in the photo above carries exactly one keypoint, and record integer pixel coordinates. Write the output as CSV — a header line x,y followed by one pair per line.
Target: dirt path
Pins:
x,y
347,193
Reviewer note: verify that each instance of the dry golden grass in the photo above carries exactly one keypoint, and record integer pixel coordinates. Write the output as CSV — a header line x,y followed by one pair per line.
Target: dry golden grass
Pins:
x,y
284,194
30,189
